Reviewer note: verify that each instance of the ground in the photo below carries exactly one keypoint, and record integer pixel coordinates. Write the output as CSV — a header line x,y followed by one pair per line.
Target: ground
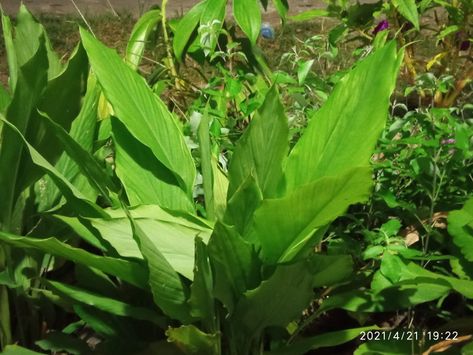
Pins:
x,y
135,7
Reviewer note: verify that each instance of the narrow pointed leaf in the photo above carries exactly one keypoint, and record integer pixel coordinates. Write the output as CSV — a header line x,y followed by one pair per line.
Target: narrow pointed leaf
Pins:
x,y
193,341
284,226
235,262
74,197
408,9
186,27
169,292
106,304
139,37
145,179
86,162
247,15
31,81
270,304
325,340
202,300
173,237
61,100
342,134
262,149
131,272
144,114
83,132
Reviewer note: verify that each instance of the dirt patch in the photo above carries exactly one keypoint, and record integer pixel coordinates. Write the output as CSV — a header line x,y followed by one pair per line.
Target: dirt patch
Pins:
x,y
92,8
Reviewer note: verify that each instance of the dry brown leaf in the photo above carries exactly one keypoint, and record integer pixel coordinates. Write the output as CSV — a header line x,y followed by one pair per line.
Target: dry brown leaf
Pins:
x,y
446,344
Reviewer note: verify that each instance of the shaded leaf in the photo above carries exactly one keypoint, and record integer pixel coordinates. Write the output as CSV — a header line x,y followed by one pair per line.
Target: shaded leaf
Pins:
x,y
193,341
131,272
106,304
145,178
325,340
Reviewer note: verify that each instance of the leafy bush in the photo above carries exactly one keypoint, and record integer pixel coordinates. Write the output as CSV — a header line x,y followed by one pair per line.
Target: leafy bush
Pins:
x,y
123,229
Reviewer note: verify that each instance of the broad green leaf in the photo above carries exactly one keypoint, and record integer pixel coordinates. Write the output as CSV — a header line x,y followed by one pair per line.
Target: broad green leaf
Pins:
x,y
460,227
145,179
235,262
468,349
393,347
247,15
220,188
90,167
31,81
213,10
18,350
131,272
104,323
303,70
186,28
28,34
61,342
309,15
95,281
121,335
399,271
156,212
213,14
401,296
242,205
61,101
262,149
139,36
174,237
144,114
202,300
281,7
193,341
325,340
84,230
408,9
83,132
342,134
168,289
106,304
83,206
328,270
270,304
284,227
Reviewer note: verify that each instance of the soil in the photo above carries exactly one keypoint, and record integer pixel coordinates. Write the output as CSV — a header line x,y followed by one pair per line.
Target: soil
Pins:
x,y
135,7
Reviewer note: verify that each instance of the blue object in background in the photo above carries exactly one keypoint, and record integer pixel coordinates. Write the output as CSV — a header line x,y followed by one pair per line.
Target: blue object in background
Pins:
x,y
267,31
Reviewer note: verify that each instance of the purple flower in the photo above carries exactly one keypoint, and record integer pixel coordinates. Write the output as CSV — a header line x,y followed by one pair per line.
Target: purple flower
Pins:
x,y
465,45
381,26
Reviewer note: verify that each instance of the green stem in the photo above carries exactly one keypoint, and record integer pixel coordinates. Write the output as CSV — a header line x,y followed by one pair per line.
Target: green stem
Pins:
x,y
170,59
